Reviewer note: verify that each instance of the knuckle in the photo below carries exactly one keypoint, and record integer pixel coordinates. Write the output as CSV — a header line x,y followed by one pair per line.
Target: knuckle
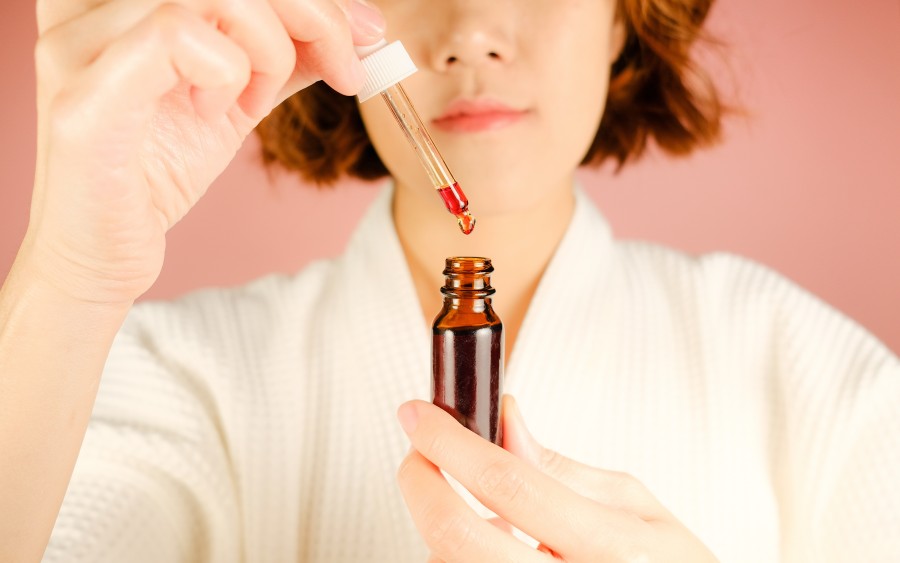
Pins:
x,y
501,481
42,11
167,21
239,72
627,484
447,533
335,13
334,27
46,56
551,462
434,445
48,14
289,61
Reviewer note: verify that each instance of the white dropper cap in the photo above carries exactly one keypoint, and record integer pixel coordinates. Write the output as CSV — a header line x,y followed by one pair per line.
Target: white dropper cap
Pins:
x,y
386,64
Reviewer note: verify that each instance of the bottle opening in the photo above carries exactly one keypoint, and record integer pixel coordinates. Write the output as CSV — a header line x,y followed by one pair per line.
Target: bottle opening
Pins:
x,y
472,264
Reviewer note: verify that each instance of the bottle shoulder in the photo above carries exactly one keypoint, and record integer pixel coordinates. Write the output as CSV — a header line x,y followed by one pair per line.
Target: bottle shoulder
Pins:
x,y
466,318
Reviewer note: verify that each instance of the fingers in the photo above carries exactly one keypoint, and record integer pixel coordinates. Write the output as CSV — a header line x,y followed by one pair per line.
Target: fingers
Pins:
x,y
367,23
251,24
290,43
611,488
51,13
324,44
451,529
532,501
255,26
169,45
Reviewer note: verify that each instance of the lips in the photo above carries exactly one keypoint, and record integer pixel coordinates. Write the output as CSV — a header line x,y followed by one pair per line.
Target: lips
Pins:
x,y
472,116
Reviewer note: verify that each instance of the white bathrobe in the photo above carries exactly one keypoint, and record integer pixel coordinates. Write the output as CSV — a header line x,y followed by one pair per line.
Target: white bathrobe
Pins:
x,y
257,424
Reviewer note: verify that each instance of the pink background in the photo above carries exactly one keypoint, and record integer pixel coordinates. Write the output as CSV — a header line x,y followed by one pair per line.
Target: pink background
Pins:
x,y
808,183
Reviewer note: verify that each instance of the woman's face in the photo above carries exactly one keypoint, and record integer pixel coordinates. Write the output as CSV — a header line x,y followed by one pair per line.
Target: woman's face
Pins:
x,y
512,92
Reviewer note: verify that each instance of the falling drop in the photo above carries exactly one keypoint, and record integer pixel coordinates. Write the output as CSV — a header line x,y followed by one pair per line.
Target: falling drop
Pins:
x,y
466,222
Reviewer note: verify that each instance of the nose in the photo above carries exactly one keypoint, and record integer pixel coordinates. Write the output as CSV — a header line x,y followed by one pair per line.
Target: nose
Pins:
x,y
473,35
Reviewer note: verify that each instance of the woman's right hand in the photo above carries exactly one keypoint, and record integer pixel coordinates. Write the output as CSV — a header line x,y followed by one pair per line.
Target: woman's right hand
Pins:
x,y
142,103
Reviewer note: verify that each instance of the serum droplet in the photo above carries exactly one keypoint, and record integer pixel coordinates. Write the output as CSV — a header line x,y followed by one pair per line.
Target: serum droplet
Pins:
x,y
466,222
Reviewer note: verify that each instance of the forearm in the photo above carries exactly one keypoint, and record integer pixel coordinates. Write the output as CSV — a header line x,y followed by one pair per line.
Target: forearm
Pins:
x,y
52,352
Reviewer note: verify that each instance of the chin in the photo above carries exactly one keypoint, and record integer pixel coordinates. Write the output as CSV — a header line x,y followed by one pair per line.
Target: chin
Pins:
x,y
492,193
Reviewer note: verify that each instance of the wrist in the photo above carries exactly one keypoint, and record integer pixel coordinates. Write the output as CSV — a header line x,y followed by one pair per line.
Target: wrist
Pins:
x,y
55,278
35,317
33,281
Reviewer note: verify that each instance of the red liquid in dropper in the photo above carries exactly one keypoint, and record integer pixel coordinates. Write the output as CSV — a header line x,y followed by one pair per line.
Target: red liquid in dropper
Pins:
x,y
454,199
456,203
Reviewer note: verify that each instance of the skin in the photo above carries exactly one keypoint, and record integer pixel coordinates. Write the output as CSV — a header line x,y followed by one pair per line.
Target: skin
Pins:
x,y
519,178
141,104
576,512
551,57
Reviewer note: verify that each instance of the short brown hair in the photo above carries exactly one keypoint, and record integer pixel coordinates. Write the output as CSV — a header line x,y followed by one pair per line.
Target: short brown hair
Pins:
x,y
655,91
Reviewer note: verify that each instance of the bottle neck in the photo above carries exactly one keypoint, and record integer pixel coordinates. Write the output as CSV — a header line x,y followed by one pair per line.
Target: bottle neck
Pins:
x,y
467,304
467,295
468,280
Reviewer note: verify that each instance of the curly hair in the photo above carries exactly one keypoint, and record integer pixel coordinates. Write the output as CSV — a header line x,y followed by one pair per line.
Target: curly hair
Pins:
x,y
655,92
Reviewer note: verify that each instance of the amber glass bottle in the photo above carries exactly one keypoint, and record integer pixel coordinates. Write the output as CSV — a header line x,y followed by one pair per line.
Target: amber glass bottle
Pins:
x,y
467,349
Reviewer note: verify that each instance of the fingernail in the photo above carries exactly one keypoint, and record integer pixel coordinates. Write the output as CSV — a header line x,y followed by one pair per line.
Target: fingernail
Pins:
x,y
409,417
366,19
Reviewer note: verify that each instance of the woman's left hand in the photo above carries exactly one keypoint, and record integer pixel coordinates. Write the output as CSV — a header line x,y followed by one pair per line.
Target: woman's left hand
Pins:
x,y
577,512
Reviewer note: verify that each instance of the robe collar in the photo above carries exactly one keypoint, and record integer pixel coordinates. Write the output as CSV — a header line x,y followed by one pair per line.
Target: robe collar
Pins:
x,y
388,325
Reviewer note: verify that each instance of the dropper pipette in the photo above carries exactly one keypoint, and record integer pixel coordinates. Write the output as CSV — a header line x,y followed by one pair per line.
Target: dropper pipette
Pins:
x,y
386,65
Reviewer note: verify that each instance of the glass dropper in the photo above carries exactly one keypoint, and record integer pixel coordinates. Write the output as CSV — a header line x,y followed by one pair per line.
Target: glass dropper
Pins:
x,y
386,65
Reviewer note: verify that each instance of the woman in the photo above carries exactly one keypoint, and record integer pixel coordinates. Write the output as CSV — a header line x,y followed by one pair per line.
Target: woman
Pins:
x,y
715,410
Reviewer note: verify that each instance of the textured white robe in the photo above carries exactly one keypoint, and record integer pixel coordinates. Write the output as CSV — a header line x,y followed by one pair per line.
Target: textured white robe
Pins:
x,y
258,424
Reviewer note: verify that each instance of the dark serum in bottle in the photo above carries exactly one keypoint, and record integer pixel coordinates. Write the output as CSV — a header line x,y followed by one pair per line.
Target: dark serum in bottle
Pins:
x,y
467,349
